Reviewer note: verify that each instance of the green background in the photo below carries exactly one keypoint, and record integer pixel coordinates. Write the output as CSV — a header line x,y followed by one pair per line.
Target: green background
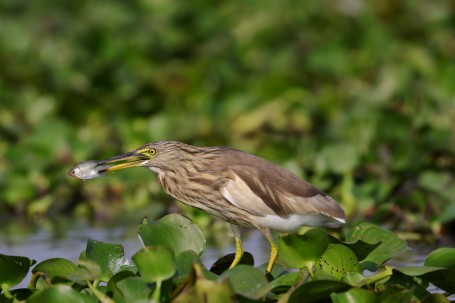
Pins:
x,y
358,97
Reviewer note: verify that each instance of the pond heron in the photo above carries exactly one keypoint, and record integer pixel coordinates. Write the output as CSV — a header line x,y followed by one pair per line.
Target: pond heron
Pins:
x,y
235,186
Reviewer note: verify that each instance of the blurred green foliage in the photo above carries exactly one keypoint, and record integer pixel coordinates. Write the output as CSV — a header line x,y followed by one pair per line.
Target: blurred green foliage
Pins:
x,y
358,97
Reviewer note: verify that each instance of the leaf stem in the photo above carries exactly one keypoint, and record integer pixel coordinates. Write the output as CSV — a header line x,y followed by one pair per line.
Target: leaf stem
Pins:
x,y
157,292
102,297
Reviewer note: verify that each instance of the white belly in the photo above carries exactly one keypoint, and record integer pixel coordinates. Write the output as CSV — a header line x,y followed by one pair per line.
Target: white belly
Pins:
x,y
293,222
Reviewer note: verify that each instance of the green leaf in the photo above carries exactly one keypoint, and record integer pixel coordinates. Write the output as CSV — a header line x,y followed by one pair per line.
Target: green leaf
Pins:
x,y
110,258
247,281
390,246
184,265
174,231
354,295
13,269
133,289
317,291
88,270
200,289
58,294
442,257
282,283
112,285
338,260
406,279
56,267
155,263
416,271
301,251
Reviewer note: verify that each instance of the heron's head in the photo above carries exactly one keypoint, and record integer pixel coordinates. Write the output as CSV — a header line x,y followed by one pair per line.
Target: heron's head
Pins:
x,y
157,156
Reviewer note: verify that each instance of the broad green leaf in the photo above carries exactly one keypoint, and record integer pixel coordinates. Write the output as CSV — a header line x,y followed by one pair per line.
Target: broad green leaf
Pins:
x,y
396,295
353,278
354,295
247,281
13,269
88,270
301,251
184,265
337,260
155,263
416,271
436,298
405,278
444,258
317,291
59,294
56,267
441,257
112,285
361,248
200,289
282,283
110,257
174,231
133,289
390,246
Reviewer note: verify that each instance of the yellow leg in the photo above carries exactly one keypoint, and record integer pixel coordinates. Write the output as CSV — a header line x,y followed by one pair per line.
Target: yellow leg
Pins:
x,y
238,246
273,248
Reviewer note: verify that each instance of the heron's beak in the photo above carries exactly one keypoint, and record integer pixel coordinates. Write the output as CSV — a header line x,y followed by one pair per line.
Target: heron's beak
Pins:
x,y
131,159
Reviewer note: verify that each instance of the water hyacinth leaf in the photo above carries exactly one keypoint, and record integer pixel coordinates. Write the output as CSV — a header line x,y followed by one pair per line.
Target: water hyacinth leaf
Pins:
x,y
88,270
184,265
353,278
361,248
112,284
155,263
247,281
110,257
436,298
301,251
406,279
133,289
337,260
200,289
390,246
173,231
317,291
58,294
443,258
354,295
56,267
396,294
282,283
415,271
13,269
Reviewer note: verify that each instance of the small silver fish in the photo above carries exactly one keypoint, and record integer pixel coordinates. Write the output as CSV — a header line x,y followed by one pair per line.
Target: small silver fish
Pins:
x,y
88,170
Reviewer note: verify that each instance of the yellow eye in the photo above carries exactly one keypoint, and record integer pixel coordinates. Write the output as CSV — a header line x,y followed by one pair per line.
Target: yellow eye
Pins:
x,y
152,151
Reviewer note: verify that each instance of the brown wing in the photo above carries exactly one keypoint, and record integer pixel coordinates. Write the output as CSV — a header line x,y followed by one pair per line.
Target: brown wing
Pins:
x,y
261,187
